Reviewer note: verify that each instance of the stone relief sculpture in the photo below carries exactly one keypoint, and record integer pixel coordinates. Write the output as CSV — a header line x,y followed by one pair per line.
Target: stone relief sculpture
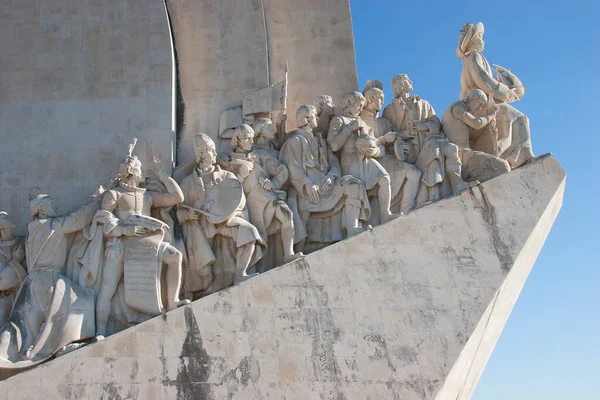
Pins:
x,y
262,176
431,151
404,177
513,140
51,312
12,266
220,242
136,249
119,259
462,128
330,206
325,113
359,152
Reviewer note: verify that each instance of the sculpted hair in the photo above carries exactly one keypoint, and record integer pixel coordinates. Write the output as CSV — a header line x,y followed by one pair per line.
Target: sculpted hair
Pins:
x,y
260,123
372,83
241,132
351,98
475,94
303,113
320,100
373,93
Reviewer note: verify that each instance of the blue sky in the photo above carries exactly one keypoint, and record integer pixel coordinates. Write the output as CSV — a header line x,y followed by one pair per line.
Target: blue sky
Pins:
x,y
549,348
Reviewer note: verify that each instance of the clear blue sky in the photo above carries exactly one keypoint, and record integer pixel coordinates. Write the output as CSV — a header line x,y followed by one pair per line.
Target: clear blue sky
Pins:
x,y
550,346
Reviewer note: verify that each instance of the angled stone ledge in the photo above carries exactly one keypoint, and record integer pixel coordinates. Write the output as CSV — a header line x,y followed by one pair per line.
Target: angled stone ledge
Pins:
x,y
409,310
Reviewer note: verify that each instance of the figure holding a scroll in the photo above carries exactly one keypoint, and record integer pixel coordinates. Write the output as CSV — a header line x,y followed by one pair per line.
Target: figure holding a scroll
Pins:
x,y
135,246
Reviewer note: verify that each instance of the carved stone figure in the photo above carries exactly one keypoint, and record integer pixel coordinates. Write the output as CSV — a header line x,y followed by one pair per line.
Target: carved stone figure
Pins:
x,y
12,271
431,151
330,206
325,113
262,177
404,177
359,150
50,311
135,246
220,241
461,127
513,141
267,135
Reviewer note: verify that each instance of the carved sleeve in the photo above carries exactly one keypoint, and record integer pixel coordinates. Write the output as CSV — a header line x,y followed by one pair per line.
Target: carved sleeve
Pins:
x,y
278,173
173,196
292,156
338,133
484,79
79,218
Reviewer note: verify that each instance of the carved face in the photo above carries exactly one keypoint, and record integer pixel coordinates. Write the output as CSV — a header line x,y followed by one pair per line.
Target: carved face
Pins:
x,y
478,43
328,109
312,119
48,209
377,103
206,156
476,104
355,108
135,171
407,84
245,142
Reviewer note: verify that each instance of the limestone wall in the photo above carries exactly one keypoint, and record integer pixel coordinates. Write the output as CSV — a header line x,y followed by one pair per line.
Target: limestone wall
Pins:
x,y
228,48
78,80
411,311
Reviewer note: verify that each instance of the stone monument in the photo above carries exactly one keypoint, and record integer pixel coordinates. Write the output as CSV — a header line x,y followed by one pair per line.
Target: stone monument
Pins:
x,y
350,255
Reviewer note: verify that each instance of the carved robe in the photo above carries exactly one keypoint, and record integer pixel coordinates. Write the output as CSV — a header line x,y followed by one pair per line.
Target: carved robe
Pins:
x,y
50,311
199,236
514,138
309,161
12,274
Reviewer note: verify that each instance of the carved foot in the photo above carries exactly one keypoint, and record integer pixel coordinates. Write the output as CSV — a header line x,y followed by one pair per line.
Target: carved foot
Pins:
x,y
389,217
462,186
178,304
27,353
293,257
69,348
98,338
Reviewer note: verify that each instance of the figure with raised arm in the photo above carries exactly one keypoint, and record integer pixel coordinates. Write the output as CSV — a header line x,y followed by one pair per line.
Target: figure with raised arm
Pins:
x,y
512,141
136,249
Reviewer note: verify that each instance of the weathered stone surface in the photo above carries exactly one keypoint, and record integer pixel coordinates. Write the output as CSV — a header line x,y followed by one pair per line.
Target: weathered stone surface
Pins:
x,y
410,310
78,80
229,48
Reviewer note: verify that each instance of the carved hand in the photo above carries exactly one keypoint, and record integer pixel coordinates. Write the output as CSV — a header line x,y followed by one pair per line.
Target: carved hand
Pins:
x,y
312,191
267,184
390,137
326,184
135,230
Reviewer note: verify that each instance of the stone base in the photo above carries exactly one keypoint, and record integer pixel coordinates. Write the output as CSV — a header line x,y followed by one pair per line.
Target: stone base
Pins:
x,y
410,310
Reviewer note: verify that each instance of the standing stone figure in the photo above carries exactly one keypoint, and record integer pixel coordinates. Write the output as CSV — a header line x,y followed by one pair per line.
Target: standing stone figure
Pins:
x,y
12,271
133,237
330,206
404,177
431,151
461,127
359,150
262,177
325,113
50,311
220,241
513,141
265,137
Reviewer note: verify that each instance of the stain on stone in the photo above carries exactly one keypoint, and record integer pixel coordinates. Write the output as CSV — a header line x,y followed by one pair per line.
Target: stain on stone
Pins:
x,y
197,369
134,370
489,215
